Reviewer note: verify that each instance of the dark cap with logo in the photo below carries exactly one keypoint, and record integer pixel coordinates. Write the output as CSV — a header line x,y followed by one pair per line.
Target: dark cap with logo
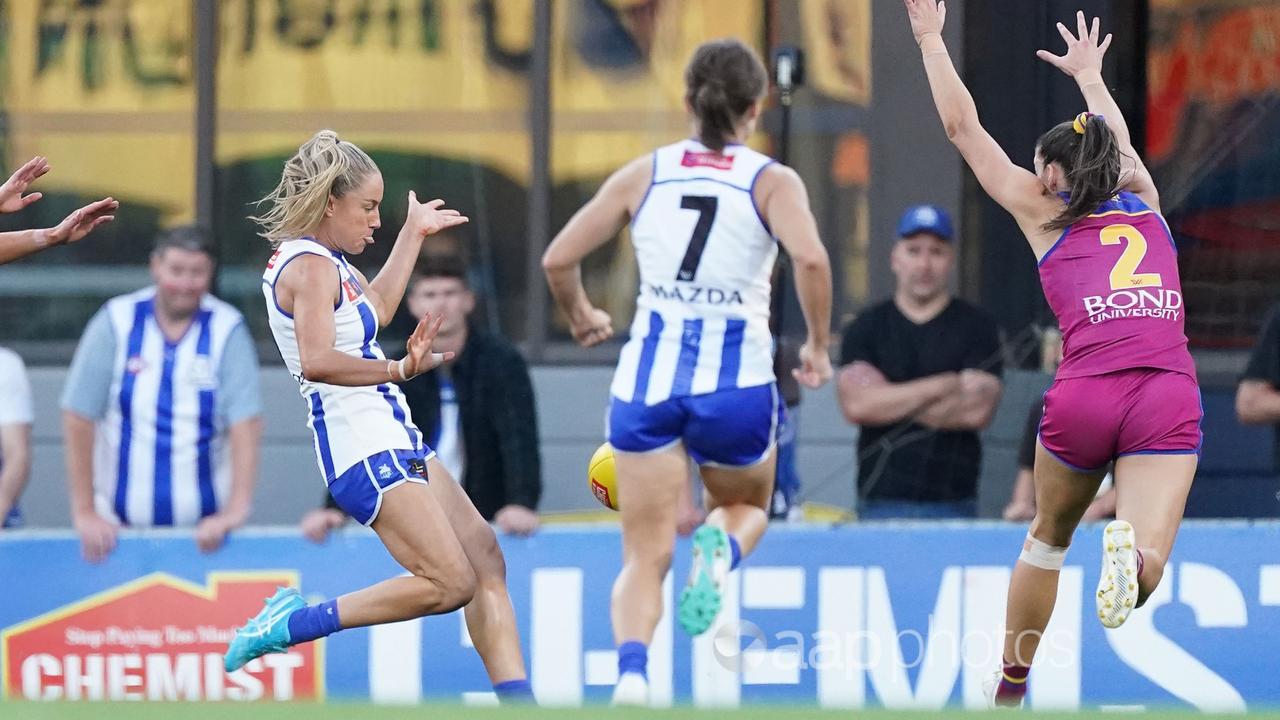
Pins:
x,y
925,219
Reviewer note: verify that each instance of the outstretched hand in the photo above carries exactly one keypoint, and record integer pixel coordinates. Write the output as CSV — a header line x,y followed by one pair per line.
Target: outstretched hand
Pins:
x,y
83,221
11,193
927,16
432,217
1084,52
419,358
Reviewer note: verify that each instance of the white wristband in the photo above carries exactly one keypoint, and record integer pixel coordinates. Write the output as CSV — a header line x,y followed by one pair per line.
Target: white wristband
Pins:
x,y
400,367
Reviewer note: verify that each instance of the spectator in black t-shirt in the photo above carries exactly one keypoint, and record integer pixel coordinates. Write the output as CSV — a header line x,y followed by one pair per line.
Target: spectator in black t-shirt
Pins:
x,y
1258,398
920,376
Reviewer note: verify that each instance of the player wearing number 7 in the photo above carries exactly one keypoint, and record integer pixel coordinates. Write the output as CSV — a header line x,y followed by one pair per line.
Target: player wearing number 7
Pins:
x,y
1126,389
696,378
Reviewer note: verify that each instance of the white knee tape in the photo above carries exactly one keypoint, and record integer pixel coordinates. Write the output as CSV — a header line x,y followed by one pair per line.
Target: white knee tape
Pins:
x,y
1042,555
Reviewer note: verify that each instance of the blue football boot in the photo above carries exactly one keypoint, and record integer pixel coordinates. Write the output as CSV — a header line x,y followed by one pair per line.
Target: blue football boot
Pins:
x,y
267,632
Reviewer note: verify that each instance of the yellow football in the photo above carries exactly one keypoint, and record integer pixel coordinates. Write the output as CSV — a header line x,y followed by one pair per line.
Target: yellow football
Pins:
x,y
602,478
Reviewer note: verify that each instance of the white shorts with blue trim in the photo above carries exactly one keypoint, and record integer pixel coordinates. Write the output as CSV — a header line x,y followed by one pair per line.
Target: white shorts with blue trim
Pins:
x,y
728,428
359,489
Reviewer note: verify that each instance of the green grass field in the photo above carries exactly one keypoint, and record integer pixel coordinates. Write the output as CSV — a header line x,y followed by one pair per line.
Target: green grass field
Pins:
x,y
351,711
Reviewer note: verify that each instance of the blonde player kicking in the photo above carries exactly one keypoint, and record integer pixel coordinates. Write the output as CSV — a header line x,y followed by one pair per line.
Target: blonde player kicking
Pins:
x,y
324,316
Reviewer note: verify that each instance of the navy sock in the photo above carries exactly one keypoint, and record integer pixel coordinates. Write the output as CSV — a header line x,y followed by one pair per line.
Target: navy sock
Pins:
x,y
633,656
514,691
314,621
736,549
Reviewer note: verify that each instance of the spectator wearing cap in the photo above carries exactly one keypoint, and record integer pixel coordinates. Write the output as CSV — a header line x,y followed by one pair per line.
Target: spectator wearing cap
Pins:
x,y
920,376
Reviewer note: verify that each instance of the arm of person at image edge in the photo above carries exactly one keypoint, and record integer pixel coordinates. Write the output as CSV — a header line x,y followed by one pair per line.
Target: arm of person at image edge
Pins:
x,y
15,432
783,201
511,409
309,285
1258,397
1014,188
18,244
84,403
240,409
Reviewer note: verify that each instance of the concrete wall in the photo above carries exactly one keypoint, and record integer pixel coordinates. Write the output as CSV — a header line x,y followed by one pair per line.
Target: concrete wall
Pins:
x,y
571,417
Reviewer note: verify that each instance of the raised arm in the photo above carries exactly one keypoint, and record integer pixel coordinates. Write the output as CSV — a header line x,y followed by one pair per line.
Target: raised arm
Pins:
x,y
307,288
386,290
1016,189
1083,63
592,226
21,243
13,193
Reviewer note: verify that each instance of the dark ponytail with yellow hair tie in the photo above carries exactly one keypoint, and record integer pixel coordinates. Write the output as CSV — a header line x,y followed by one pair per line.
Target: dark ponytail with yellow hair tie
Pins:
x,y
1086,150
1081,121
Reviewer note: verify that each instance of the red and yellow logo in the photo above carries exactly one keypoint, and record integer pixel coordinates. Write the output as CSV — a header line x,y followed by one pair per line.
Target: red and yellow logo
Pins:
x,y
156,638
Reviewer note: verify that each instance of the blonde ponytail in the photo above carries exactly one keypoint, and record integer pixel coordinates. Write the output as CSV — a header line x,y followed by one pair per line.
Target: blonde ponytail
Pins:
x,y
325,165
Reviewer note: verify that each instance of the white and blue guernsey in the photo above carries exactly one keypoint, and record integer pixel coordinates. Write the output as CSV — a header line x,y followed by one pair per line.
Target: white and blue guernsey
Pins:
x,y
365,441
699,362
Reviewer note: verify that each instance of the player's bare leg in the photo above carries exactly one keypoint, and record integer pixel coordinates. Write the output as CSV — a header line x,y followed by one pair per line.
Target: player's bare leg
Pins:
x,y
415,530
649,487
491,620
1151,495
738,500
1062,496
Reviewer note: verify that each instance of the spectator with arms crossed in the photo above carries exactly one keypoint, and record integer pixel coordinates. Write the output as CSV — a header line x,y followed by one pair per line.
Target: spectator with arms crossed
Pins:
x,y
920,377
